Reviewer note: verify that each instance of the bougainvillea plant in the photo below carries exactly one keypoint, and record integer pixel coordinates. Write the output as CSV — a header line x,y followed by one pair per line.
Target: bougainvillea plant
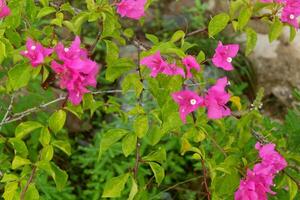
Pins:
x,y
43,42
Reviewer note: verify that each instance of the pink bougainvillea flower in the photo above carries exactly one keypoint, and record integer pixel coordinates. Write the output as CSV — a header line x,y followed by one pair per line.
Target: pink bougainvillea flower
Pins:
x,y
291,12
72,52
258,182
224,54
251,188
216,99
173,69
35,52
155,63
134,9
4,9
75,76
76,72
188,102
270,157
271,1
190,62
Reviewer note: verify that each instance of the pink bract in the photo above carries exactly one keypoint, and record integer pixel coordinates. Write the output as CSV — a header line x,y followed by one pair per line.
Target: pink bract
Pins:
x,y
77,71
72,52
173,69
216,99
188,102
190,62
35,52
258,182
134,9
224,54
155,63
291,12
4,9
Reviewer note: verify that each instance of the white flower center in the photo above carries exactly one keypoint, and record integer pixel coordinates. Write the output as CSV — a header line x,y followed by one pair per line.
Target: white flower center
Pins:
x,y
66,49
229,59
193,101
26,52
33,47
292,16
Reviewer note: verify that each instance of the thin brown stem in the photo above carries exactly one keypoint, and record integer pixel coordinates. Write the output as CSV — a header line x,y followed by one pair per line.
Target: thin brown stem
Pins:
x,y
138,143
9,109
22,196
137,159
205,178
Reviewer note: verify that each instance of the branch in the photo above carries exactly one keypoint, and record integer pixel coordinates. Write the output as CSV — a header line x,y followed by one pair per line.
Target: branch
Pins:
x,y
8,110
138,143
205,29
22,196
205,178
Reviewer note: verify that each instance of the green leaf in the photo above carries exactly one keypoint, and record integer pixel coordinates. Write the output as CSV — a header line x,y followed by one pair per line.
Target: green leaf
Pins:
x,y
32,193
45,11
109,138
251,40
293,33
158,171
117,68
45,136
112,51
293,188
156,156
2,52
132,81
25,128
90,4
63,145
152,38
19,76
178,35
275,29
78,21
134,189
18,162
244,17
57,120
140,125
89,103
128,32
201,57
234,7
129,144
217,24
9,178
60,177
115,186
19,147
47,153
44,2
10,191
155,135
58,20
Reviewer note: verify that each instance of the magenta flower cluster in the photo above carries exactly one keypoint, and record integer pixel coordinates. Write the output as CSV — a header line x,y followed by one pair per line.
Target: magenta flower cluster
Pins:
x,y
290,12
134,9
4,9
73,67
259,181
215,99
